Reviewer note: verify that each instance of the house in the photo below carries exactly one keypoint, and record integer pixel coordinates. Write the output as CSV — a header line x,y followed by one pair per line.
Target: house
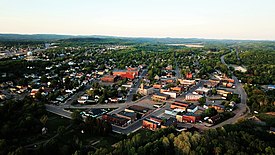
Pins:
x,y
211,83
160,97
169,67
214,119
223,92
157,86
114,119
218,107
109,78
193,97
177,89
272,130
145,90
94,112
33,92
157,77
188,75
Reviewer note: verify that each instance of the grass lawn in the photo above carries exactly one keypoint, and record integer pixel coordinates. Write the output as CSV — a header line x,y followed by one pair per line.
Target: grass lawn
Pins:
x,y
269,119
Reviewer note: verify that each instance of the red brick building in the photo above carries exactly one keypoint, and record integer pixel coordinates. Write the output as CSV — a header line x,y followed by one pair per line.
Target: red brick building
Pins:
x,y
130,73
150,124
109,78
188,75
114,119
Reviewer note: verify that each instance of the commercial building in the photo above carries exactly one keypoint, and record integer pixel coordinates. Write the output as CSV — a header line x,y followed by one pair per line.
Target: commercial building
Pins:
x,y
160,97
179,105
114,119
188,117
109,78
130,73
150,124
127,115
193,97
145,90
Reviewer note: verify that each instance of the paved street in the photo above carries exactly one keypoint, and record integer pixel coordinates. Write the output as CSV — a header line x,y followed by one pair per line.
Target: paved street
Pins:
x,y
134,88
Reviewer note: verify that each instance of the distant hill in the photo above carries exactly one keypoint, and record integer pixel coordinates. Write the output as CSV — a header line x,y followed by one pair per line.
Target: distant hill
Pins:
x,y
31,37
112,39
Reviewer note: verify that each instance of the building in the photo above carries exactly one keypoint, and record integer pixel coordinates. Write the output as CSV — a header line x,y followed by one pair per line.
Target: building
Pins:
x,y
214,119
223,92
109,78
157,86
169,122
187,117
188,75
211,83
177,89
130,73
192,108
139,110
127,115
179,105
218,107
160,97
271,87
171,94
187,82
272,130
116,120
203,91
193,97
145,90
150,124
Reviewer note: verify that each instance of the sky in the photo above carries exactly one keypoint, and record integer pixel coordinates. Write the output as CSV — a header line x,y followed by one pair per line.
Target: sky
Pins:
x,y
215,19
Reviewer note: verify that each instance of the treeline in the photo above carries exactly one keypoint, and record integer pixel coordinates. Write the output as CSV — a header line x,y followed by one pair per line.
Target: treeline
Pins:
x,y
259,100
259,59
242,138
20,122
17,69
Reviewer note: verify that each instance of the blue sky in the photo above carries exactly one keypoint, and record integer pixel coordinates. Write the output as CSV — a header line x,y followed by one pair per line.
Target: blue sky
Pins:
x,y
221,19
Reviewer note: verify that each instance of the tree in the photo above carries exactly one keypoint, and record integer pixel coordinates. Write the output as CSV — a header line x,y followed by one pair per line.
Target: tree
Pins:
x,y
44,79
44,119
76,117
210,112
202,100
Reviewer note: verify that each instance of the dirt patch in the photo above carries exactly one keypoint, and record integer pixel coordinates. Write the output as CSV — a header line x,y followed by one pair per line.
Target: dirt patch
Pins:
x,y
270,113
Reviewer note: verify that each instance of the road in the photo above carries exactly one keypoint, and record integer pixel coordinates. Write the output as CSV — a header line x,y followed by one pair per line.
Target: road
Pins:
x,y
243,109
135,87
138,124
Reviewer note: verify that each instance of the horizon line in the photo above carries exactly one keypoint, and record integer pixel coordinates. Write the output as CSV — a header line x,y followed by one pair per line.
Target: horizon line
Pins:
x,y
152,37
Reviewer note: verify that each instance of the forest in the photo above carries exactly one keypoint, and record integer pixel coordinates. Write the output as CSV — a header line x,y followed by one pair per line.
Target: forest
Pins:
x,y
246,137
